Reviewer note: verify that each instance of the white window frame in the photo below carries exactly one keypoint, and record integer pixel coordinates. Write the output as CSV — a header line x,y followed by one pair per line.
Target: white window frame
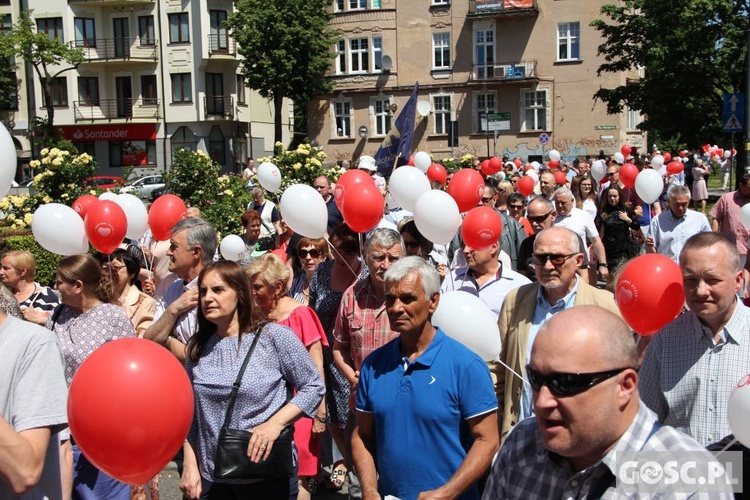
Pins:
x,y
525,127
382,119
358,4
634,118
376,46
360,55
338,109
440,2
339,5
441,41
481,105
484,68
442,117
340,50
569,36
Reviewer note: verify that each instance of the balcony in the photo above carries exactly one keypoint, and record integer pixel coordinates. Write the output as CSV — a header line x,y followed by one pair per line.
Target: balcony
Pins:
x,y
502,8
218,106
119,110
117,49
111,3
221,46
508,71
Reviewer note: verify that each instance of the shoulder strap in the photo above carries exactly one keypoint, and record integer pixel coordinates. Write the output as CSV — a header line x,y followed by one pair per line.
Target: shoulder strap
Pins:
x,y
238,380
56,314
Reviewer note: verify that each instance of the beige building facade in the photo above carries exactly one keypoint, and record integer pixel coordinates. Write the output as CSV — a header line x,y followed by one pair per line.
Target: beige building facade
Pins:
x,y
496,77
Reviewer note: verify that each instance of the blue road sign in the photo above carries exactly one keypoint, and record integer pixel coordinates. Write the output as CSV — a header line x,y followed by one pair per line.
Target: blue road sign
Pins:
x,y
734,112
543,138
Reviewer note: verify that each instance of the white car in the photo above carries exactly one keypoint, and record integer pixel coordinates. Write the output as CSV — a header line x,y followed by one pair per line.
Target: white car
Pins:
x,y
143,186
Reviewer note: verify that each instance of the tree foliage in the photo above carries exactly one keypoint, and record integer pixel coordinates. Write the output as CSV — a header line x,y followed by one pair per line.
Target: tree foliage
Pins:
x,y
692,51
287,47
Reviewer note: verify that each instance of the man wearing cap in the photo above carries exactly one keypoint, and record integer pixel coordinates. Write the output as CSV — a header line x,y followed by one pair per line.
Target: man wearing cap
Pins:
x,y
367,163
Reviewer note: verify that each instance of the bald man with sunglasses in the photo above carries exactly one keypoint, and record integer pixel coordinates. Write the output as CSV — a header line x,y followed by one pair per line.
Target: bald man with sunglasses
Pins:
x,y
557,255
590,422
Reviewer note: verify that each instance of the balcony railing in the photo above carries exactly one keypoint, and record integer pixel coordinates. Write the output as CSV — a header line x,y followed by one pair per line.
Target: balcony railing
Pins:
x,y
218,105
221,45
502,7
516,70
107,49
117,109
112,3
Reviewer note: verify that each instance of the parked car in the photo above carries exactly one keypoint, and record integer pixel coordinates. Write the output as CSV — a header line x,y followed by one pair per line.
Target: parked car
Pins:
x,y
158,192
143,186
104,182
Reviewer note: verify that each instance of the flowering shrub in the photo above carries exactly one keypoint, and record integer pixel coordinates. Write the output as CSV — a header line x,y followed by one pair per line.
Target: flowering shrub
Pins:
x,y
299,166
453,164
63,176
18,210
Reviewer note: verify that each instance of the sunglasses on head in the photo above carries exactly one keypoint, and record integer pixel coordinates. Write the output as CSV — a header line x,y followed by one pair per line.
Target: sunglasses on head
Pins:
x,y
569,384
556,259
313,252
539,218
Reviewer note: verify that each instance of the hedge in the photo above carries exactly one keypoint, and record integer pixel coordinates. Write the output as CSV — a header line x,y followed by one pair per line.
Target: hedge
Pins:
x,y
46,262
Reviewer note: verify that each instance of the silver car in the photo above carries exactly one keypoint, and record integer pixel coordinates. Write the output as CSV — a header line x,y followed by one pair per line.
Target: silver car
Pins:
x,y
143,186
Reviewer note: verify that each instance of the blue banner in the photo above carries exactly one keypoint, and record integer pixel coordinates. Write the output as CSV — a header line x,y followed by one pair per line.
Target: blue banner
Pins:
x,y
397,144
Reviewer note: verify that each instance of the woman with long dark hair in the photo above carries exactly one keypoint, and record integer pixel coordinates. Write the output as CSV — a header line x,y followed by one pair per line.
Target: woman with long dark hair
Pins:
x,y
617,221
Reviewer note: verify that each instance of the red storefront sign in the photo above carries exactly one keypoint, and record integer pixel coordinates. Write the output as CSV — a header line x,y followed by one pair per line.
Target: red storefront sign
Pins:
x,y
124,132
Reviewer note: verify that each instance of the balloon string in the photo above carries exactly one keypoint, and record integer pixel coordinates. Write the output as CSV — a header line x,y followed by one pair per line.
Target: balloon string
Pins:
x,y
734,440
513,372
343,259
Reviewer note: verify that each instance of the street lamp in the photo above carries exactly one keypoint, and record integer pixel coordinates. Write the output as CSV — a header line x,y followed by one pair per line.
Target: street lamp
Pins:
x,y
363,132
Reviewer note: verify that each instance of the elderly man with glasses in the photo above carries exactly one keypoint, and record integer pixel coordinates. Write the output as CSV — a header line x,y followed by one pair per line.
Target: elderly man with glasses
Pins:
x,y
557,255
590,423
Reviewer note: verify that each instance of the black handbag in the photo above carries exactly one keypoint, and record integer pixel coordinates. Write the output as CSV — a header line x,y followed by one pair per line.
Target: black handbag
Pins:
x,y
231,460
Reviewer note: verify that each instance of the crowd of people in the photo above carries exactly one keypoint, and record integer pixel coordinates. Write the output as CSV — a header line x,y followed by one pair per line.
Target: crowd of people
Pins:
x,y
340,349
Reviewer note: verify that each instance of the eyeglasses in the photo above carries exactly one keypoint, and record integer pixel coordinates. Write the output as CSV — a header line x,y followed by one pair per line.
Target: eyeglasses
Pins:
x,y
610,174
538,218
313,252
570,384
486,200
516,207
556,259
111,267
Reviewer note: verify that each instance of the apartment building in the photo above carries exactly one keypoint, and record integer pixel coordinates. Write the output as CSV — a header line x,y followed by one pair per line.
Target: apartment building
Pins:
x,y
156,76
513,77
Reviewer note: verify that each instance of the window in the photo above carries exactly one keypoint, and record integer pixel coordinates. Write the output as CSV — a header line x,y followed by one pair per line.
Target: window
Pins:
x,y
339,5
441,104
146,30
484,51
148,90
342,111
88,90
59,90
241,90
534,110
6,23
216,145
377,53
568,38
85,32
341,57
182,88
381,111
184,138
132,153
357,4
358,55
52,26
484,103
179,31
375,4
441,50
440,2
88,147
219,36
634,119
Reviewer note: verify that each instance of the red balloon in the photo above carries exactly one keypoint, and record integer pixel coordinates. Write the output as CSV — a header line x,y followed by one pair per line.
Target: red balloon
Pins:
x,y
734,152
467,188
526,185
720,153
649,293
436,173
493,166
553,164
165,212
83,203
349,179
517,162
106,226
528,167
706,147
628,173
675,167
363,207
626,150
667,157
560,178
682,153
411,161
130,407
485,167
481,227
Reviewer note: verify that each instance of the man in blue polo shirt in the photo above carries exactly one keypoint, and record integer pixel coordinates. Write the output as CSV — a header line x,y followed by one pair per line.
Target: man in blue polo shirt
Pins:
x,y
426,409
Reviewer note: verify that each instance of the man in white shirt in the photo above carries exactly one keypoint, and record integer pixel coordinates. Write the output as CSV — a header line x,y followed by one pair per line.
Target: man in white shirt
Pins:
x,y
671,229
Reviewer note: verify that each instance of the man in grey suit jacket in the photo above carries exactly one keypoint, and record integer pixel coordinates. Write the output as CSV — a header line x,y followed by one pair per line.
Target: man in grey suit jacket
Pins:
x,y
556,256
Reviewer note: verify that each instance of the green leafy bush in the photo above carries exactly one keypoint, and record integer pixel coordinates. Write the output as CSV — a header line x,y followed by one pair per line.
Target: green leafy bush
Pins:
x,y
46,262
300,166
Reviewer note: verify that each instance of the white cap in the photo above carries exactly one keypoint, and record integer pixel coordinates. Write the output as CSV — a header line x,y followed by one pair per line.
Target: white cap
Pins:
x,y
367,163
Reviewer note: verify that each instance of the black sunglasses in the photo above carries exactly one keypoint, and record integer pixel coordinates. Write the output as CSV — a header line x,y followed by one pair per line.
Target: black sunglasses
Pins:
x,y
570,384
519,207
313,252
556,259
539,218
412,244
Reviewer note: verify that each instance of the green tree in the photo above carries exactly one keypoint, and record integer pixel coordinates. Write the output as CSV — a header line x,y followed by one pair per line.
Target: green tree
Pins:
x,y
49,56
692,51
287,49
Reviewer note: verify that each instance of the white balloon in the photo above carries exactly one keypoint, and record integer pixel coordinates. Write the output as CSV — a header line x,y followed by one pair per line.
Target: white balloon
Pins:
x,y
406,185
554,155
533,175
422,161
649,185
727,153
465,318
716,157
657,161
269,176
738,409
536,165
232,248
598,170
745,215
500,176
108,195
136,213
7,161
619,158
59,229
437,217
304,210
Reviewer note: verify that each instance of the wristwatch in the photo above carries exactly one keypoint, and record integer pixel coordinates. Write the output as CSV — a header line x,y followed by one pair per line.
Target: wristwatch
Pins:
x,y
602,264
320,419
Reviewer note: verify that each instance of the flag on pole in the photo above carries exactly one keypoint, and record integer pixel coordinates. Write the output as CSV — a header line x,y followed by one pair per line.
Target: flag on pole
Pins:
x,y
397,144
